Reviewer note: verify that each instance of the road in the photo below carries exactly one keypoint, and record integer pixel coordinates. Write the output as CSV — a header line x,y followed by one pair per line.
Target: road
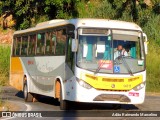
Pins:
x,y
86,111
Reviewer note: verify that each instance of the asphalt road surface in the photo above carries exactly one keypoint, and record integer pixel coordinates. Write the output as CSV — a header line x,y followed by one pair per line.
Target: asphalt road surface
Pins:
x,y
79,111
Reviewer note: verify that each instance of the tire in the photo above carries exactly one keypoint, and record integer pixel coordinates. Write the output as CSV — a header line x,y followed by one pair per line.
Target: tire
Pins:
x,y
28,97
64,105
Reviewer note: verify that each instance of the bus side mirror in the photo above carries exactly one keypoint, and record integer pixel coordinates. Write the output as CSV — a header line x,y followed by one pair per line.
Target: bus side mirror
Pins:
x,y
145,43
74,45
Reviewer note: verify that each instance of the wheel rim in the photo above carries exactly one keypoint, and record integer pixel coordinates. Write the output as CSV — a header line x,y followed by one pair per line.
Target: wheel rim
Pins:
x,y
25,91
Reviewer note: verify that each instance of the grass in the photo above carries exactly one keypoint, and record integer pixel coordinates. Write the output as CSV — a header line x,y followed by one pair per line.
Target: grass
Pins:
x,y
4,64
4,67
153,68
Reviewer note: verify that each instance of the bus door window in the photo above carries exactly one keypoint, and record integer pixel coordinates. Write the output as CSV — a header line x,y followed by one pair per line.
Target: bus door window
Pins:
x,y
40,43
69,56
24,50
60,43
32,44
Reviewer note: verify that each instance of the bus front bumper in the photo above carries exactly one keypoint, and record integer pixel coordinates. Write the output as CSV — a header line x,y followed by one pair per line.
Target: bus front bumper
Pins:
x,y
81,94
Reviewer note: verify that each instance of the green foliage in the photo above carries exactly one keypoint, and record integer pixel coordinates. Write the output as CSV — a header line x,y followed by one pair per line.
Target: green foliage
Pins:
x,y
81,9
25,24
6,6
152,28
28,12
153,68
105,10
1,6
42,19
4,64
156,7
144,16
97,9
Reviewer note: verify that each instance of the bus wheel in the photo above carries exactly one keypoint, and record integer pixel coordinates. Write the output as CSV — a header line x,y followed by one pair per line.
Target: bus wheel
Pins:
x,y
64,105
28,97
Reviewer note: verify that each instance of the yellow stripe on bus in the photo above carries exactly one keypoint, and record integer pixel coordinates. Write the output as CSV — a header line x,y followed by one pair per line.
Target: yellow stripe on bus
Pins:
x,y
112,83
17,73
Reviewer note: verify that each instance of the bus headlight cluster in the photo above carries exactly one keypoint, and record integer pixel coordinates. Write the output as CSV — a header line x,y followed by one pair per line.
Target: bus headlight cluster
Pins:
x,y
83,83
139,87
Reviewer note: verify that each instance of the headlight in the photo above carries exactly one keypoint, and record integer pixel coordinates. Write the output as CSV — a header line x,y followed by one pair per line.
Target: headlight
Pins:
x,y
83,83
140,86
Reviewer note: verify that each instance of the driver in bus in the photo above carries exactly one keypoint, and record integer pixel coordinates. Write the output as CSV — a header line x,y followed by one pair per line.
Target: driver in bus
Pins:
x,y
120,52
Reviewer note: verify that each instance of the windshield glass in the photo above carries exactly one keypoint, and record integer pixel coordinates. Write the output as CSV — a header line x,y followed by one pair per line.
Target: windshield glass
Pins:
x,y
119,52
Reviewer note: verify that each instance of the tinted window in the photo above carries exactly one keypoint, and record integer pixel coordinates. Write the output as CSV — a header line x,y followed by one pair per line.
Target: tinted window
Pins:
x,y
32,44
60,42
24,49
18,46
40,43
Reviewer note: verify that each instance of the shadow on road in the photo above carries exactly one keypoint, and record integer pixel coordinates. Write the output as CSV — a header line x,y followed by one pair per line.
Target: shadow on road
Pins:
x,y
42,99
19,94
82,106
87,106
101,106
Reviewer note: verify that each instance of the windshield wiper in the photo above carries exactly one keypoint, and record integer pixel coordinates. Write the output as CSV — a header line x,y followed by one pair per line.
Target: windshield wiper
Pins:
x,y
126,65
99,67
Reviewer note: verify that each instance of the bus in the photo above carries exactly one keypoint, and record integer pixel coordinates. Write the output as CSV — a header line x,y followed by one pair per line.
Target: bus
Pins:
x,y
74,61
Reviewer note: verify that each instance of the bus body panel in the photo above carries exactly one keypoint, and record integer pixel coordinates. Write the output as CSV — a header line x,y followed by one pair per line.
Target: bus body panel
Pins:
x,y
41,73
16,73
75,92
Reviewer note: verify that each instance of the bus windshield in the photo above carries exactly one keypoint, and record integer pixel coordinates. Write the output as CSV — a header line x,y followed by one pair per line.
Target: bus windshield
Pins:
x,y
119,51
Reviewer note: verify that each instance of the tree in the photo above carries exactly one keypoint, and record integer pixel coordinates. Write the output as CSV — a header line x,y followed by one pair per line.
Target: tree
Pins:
x,y
61,8
28,13
6,9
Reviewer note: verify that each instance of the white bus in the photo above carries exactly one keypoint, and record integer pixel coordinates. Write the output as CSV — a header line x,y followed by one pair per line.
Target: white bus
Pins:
x,y
76,60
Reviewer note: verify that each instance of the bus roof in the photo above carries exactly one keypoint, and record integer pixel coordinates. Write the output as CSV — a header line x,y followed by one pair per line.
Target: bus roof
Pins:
x,y
83,22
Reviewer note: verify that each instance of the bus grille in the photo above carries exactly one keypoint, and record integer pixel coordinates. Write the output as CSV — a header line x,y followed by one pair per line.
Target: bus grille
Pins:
x,y
112,97
112,80
113,90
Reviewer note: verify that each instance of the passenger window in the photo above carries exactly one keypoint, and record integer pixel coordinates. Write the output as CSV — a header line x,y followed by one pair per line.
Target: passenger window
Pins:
x,y
48,43
51,43
32,44
18,46
54,38
14,47
24,50
40,43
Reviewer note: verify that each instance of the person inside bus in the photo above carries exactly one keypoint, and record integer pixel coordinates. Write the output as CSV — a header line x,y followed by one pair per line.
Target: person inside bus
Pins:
x,y
120,51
